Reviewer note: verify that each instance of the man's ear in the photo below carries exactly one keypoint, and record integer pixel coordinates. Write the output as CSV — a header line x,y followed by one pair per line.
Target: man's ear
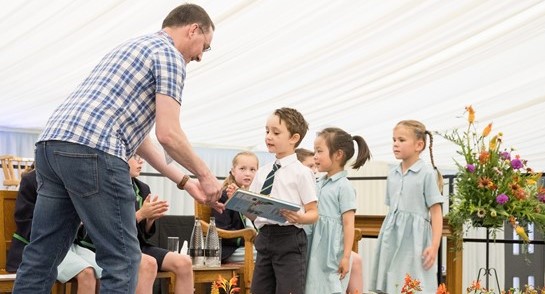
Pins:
x,y
295,138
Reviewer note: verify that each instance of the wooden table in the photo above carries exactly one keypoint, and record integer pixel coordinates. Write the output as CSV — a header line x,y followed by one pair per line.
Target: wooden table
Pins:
x,y
370,228
202,276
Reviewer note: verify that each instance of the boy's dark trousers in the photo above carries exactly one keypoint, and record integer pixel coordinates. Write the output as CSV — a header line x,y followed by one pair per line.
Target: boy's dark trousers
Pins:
x,y
281,262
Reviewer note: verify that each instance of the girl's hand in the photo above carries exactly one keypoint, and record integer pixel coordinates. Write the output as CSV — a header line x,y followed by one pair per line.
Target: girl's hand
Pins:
x,y
428,257
344,265
230,190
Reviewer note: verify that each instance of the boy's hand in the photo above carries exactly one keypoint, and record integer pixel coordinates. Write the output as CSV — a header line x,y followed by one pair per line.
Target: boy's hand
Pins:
x,y
152,208
291,217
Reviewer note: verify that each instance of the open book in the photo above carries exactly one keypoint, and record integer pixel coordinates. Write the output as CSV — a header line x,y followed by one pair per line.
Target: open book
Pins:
x,y
259,205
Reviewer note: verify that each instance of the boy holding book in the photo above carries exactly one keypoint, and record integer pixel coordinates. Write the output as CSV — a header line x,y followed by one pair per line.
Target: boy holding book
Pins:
x,y
282,246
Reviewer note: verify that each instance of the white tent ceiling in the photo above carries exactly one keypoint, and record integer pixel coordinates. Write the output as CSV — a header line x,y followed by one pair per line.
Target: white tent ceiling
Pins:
x,y
358,65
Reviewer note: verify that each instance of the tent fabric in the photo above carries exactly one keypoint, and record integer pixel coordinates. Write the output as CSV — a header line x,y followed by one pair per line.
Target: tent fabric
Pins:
x,y
358,65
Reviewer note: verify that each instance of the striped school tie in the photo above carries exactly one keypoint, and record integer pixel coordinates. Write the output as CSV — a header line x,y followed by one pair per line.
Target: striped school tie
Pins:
x,y
267,186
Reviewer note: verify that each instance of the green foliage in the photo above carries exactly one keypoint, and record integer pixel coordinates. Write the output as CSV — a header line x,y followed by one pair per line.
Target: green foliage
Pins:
x,y
493,185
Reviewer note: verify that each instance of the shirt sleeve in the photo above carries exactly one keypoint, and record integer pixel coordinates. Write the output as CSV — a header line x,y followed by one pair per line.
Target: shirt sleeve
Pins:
x,y
431,189
169,70
347,197
307,187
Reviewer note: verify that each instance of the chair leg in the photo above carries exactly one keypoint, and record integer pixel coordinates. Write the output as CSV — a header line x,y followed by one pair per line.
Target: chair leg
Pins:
x,y
172,285
58,288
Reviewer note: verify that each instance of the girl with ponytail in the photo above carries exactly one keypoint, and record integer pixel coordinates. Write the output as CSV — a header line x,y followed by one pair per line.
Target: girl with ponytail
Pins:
x,y
409,239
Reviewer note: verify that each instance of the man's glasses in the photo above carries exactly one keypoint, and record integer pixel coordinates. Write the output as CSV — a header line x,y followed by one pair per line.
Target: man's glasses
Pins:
x,y
205,48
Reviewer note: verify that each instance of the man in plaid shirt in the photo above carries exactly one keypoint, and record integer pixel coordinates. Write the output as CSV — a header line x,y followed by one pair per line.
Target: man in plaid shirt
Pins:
x,y
81,156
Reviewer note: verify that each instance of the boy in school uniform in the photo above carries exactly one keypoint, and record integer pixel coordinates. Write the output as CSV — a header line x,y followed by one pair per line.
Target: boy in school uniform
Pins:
x,y
282,247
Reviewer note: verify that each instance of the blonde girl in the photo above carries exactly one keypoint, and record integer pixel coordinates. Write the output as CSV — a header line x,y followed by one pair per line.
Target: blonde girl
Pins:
x,y
241,175
331,237
411,232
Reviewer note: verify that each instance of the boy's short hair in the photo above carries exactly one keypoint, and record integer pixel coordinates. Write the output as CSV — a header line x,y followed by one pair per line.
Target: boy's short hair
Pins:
x,y
294,120
303,153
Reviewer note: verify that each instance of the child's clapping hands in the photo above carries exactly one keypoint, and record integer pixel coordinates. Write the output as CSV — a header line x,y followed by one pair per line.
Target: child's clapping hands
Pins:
x,y
152,208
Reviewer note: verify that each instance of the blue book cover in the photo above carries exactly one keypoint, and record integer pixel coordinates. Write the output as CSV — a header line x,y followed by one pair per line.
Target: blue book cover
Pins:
x,y
259,205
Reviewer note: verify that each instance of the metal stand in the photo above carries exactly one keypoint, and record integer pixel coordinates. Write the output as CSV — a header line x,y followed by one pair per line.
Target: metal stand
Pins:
x,y
487,271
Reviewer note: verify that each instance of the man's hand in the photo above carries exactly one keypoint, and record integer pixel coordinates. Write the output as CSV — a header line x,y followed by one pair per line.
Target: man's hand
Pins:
x,y
194,188
211,188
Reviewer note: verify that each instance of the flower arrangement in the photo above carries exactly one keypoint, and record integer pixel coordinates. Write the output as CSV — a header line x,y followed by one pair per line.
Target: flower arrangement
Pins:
x,y
413,286
493,185
477,289
224,286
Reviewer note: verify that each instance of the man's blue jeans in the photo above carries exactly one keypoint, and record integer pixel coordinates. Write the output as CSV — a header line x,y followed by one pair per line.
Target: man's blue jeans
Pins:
x,y
76,183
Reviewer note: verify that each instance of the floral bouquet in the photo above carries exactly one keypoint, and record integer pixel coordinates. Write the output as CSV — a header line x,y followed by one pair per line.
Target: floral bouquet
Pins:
x,y
413,286
224,286
493,184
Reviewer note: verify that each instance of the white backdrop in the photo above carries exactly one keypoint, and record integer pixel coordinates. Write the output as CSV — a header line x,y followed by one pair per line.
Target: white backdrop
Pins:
x,y
358,65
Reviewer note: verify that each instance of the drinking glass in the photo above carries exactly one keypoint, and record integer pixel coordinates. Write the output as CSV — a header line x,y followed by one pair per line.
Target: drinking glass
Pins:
x,y
173,244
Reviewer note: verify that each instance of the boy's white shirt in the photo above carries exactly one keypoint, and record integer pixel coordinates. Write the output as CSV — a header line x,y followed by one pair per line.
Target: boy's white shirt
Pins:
x,y
293,182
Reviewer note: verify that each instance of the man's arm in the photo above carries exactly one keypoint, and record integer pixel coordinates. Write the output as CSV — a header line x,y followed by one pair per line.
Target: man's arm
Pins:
x,y
171,136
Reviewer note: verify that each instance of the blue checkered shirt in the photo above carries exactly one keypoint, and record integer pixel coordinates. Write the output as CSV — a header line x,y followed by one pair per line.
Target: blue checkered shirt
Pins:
x,y
113,110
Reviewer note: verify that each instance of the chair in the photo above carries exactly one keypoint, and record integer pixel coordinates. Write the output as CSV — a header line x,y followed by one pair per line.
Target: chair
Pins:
x,y
10,164
7,228
170,279
244,270
357,238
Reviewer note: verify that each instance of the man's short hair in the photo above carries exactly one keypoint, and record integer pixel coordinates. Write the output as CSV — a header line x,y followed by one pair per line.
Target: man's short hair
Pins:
x,y
186,14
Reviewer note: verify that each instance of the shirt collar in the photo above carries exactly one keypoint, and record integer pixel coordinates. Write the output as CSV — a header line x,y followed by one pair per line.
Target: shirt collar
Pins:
x,y
414,168
333,178
285,161
167,36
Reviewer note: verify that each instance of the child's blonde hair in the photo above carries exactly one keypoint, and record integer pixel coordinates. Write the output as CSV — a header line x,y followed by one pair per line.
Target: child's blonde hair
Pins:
x,y
230,178
420,132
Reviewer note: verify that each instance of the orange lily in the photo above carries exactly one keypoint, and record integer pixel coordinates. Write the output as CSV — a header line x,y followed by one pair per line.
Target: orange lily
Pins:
x,y
487,130
522,233
471,114
442,289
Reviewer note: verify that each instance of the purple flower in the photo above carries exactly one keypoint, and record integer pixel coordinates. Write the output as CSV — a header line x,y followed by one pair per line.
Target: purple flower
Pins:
x,y
470,168
502,199
516,163
505,155
541,197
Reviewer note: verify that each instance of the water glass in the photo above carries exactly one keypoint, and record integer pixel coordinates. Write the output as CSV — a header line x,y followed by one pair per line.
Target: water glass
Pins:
x,y
173,244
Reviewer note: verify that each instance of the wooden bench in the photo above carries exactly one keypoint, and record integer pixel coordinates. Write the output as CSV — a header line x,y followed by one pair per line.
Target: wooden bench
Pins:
x,y
7,228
